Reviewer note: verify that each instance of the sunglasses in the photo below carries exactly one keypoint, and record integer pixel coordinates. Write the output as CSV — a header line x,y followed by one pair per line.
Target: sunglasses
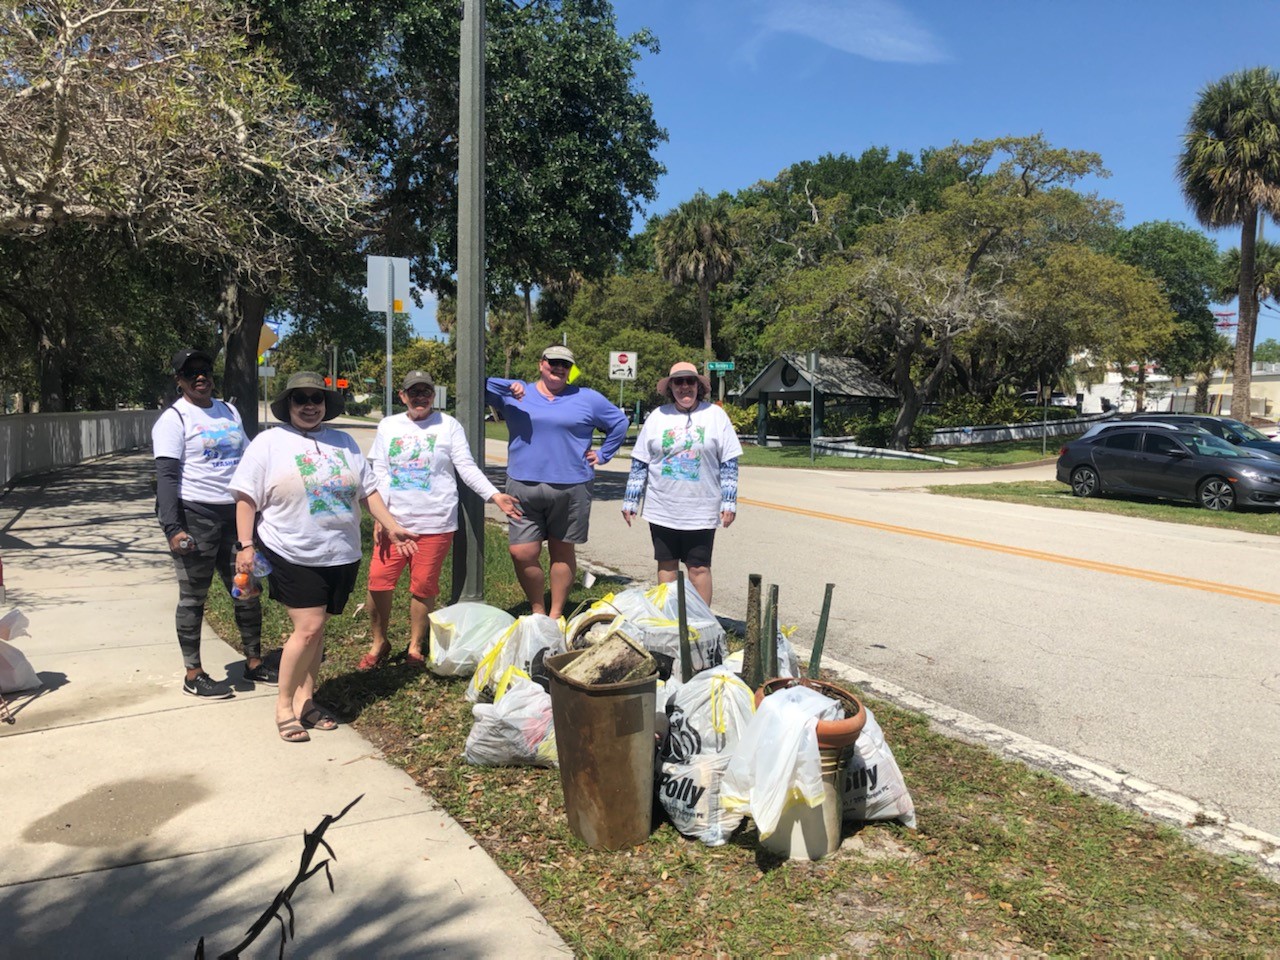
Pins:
x,y
303,399
684,381
558,364
420,392
190,373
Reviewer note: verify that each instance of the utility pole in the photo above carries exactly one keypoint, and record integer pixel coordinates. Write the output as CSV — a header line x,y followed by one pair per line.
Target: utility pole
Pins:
x,y
468,542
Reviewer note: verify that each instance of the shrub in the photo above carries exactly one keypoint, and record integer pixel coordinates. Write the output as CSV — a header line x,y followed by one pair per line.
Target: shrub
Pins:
x,y
742,418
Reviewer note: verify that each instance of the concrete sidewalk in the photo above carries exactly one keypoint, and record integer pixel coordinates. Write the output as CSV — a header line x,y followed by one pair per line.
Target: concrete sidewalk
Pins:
x,y
138,820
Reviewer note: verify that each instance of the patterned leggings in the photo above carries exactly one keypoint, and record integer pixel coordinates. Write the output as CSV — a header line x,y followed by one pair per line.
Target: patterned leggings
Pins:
x,y
215,538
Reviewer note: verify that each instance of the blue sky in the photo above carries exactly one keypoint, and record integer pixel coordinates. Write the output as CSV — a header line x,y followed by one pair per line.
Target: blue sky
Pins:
x,y
745,88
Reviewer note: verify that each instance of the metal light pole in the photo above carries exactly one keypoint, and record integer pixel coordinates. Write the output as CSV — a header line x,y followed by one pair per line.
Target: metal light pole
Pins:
x,y
468,542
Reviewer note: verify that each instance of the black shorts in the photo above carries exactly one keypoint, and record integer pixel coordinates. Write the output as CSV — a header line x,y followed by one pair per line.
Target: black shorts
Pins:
x,y
691,546
298,587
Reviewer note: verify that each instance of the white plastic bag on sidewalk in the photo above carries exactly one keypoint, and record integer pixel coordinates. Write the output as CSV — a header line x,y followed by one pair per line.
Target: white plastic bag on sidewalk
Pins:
x,y
777,762
873,787
16,672
517,647
707,717
461,634
516,729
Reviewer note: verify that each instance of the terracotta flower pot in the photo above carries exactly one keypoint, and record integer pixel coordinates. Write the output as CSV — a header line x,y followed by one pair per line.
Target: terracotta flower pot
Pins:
x,y
832,734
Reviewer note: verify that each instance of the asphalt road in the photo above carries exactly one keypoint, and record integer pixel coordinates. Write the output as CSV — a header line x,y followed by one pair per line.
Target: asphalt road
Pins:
x,y
1148,647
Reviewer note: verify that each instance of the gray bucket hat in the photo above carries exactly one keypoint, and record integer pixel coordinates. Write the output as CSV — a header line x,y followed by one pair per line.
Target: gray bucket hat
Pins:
x,y
334,404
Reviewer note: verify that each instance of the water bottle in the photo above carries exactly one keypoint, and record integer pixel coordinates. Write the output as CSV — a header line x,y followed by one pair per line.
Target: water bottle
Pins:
x,y
246,585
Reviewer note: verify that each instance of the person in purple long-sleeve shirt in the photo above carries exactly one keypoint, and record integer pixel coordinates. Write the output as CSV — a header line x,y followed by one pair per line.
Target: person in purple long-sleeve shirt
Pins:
x,y
550,469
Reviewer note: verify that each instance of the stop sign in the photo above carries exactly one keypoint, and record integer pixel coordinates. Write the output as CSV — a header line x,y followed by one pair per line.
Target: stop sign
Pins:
x,y
622,358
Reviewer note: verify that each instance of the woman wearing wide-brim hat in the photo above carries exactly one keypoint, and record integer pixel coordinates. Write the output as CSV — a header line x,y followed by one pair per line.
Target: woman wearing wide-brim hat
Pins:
x,y
685,468
303,484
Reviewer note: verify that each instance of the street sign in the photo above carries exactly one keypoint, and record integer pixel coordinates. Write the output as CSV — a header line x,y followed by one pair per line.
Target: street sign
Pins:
x,y
622,365
720,366
266,371
376,283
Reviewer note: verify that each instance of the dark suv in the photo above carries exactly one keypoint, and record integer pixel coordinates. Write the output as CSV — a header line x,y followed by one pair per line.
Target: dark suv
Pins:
x,y
1224,428
1174,464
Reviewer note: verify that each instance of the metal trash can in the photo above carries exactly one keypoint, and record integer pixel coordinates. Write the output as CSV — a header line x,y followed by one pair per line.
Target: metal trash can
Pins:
x,y
605,743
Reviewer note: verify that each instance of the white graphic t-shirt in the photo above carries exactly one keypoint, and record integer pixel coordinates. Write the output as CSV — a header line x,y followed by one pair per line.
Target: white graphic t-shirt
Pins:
x,y
417,463
209,442
684,452
308,488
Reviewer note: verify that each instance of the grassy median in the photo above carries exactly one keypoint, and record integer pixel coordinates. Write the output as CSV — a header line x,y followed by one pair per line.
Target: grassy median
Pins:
x,y
1006,859
1050,493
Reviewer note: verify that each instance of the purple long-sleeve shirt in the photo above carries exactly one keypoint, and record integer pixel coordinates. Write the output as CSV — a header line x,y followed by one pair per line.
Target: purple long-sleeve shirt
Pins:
x,y
550,438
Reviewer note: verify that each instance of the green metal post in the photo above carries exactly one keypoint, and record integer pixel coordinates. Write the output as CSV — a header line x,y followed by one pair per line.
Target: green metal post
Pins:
x,y
686,655
815,659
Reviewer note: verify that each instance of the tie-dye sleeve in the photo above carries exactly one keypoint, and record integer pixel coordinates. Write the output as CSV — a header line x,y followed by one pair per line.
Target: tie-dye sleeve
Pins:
x,y
729,486
636,482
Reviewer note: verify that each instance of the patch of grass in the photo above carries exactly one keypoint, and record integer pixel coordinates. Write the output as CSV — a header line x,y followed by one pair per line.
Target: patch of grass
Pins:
x,y
1006,860
1050,493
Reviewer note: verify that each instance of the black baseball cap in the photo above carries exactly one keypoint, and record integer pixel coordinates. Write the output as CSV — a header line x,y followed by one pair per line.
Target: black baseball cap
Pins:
x,y
185,356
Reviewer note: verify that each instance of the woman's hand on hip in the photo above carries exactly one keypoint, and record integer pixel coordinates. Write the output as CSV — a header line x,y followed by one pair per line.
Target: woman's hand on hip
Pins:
x,y
592,458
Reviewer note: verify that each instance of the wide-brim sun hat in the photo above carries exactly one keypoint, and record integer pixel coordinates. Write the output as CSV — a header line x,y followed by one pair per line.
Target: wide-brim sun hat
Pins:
x,y
685,369
334,403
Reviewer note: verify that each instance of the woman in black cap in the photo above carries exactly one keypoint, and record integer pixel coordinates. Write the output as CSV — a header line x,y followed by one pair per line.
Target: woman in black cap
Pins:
x,y
304,484
197,442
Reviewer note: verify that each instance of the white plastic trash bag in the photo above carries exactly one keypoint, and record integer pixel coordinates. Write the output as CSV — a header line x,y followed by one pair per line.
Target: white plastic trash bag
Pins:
x,y
518,647
16,672
707,717
516,729
462,634
777,763
873,787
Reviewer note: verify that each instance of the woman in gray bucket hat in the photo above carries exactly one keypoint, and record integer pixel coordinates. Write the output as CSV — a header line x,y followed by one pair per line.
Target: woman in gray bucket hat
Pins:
x,y
298,493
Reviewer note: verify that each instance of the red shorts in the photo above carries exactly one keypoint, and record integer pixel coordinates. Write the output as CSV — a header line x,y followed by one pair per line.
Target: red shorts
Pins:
x,y
424,566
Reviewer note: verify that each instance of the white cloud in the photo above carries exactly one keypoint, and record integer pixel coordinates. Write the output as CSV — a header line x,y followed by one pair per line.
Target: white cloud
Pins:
x,y
875,29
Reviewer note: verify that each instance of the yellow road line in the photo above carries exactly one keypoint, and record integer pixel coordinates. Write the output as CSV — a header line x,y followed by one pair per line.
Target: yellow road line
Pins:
x,y
1225,589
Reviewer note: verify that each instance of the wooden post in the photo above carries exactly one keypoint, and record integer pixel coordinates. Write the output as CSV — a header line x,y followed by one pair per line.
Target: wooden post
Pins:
x,y
752,674
815,659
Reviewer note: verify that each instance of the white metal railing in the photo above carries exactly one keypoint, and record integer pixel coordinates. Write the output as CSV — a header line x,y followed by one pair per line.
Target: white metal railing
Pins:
x,y
35,442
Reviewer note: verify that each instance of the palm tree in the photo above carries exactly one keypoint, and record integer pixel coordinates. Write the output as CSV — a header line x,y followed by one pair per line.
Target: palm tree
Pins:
x,y
1219,356
1230,171
698,243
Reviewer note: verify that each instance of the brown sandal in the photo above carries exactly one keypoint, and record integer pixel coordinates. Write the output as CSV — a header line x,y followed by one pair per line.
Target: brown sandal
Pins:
x,y
318,718
291,731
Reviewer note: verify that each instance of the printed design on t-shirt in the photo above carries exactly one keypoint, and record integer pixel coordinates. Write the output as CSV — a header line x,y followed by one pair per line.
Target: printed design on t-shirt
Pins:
x,y
409,462
682,452
221,443
329,481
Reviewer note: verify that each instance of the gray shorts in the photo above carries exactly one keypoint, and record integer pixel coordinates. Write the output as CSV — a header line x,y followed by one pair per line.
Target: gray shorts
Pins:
x,y
558,511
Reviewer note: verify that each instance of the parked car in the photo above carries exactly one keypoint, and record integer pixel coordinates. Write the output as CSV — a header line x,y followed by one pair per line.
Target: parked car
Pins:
x,y
1105,425
1232,431
1178,464
1056,399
